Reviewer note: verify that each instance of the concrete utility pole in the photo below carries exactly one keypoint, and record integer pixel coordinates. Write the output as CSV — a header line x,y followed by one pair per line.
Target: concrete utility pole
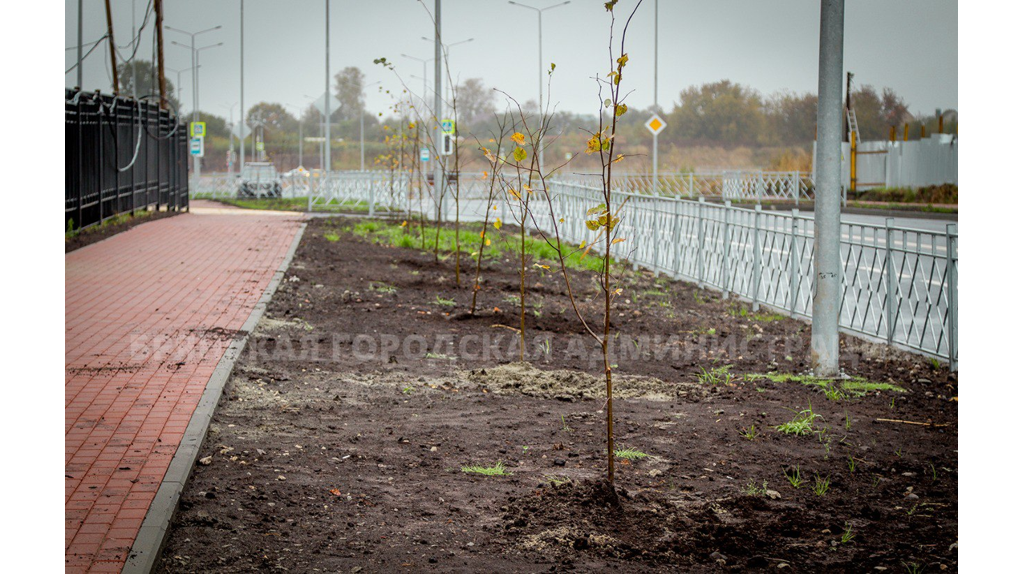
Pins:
x,y
241,87
828,274
438,168
654,147
327,90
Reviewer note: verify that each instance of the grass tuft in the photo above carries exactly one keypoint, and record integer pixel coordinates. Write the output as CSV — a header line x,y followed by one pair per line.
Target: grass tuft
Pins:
x,y
630,454
716,376
802,423
496,470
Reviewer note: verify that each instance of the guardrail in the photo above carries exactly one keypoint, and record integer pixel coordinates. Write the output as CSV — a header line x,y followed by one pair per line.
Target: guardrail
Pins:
x,y
120,155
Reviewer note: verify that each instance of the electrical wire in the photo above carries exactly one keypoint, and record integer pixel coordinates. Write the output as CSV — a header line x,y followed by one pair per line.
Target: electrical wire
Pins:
x,y
137,38
96,43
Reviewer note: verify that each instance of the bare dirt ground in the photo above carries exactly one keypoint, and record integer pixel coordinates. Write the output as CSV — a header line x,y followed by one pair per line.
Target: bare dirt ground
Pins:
x,y
341,438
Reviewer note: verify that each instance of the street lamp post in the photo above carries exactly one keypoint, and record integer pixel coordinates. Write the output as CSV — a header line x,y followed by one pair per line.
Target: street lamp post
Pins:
x,y
241,85
299,116
231,138
178,72
197,161
196,165
439,170
540,71
444,81
426,134
362,144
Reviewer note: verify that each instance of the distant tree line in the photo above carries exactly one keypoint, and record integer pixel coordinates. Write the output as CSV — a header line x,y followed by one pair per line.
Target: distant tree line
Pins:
x,y
720,114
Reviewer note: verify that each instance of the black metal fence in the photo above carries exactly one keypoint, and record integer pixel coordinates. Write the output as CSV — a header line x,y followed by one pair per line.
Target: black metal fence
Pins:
x,y
120,155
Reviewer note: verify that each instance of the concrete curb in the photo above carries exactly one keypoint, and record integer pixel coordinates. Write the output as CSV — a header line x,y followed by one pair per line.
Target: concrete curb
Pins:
x,y
149,542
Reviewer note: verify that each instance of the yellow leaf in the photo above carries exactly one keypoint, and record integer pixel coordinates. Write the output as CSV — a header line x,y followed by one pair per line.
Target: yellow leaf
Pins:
x,y
620,109
519,138
497,222
618,158
593,225
487,242
617,240
519,154
582,244
482,235
404,223
539,266
622,60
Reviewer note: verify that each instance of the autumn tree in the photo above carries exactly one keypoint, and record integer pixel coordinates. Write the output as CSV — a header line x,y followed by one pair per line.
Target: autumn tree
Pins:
x,y
476,101
141,74
791,118
273,117
348,89
721,112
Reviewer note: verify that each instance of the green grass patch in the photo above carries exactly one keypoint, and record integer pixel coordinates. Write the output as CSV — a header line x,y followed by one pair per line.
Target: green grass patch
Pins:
x,y
70,233
502,245
802,423
768,317
292,204
496,470
857,385
379,287
630,454
715,376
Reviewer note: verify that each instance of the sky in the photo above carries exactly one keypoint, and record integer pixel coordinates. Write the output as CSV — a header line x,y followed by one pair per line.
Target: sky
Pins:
x,y
907,45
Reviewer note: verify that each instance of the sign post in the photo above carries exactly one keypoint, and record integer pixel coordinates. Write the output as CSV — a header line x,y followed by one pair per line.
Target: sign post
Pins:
x,y
655,125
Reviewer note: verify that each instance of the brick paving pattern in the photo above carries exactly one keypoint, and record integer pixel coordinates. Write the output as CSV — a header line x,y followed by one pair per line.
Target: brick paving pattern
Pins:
x,y
148,315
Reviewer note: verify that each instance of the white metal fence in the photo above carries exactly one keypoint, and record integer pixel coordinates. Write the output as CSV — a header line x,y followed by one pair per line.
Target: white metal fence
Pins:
x,y
900,284
754,185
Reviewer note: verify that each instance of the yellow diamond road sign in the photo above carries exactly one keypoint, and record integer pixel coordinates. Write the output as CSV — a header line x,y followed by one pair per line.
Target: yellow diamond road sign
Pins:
x,y
655,124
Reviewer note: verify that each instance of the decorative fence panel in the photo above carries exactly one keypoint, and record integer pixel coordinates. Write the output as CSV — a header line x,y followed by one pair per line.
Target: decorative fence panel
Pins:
x,y
120,155
899,284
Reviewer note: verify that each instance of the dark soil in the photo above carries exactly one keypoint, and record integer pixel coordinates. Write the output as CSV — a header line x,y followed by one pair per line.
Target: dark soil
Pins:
x,y
91,235
336,448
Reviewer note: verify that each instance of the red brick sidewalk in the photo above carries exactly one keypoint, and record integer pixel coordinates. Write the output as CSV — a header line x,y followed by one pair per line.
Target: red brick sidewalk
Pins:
x,y
148,314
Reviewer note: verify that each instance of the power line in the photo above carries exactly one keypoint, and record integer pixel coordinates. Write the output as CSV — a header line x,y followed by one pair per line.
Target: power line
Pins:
x,y
100,39
97,43
136,39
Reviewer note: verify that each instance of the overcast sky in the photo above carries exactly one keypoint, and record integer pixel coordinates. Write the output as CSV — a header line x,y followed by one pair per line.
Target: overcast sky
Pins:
x,y
908,45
